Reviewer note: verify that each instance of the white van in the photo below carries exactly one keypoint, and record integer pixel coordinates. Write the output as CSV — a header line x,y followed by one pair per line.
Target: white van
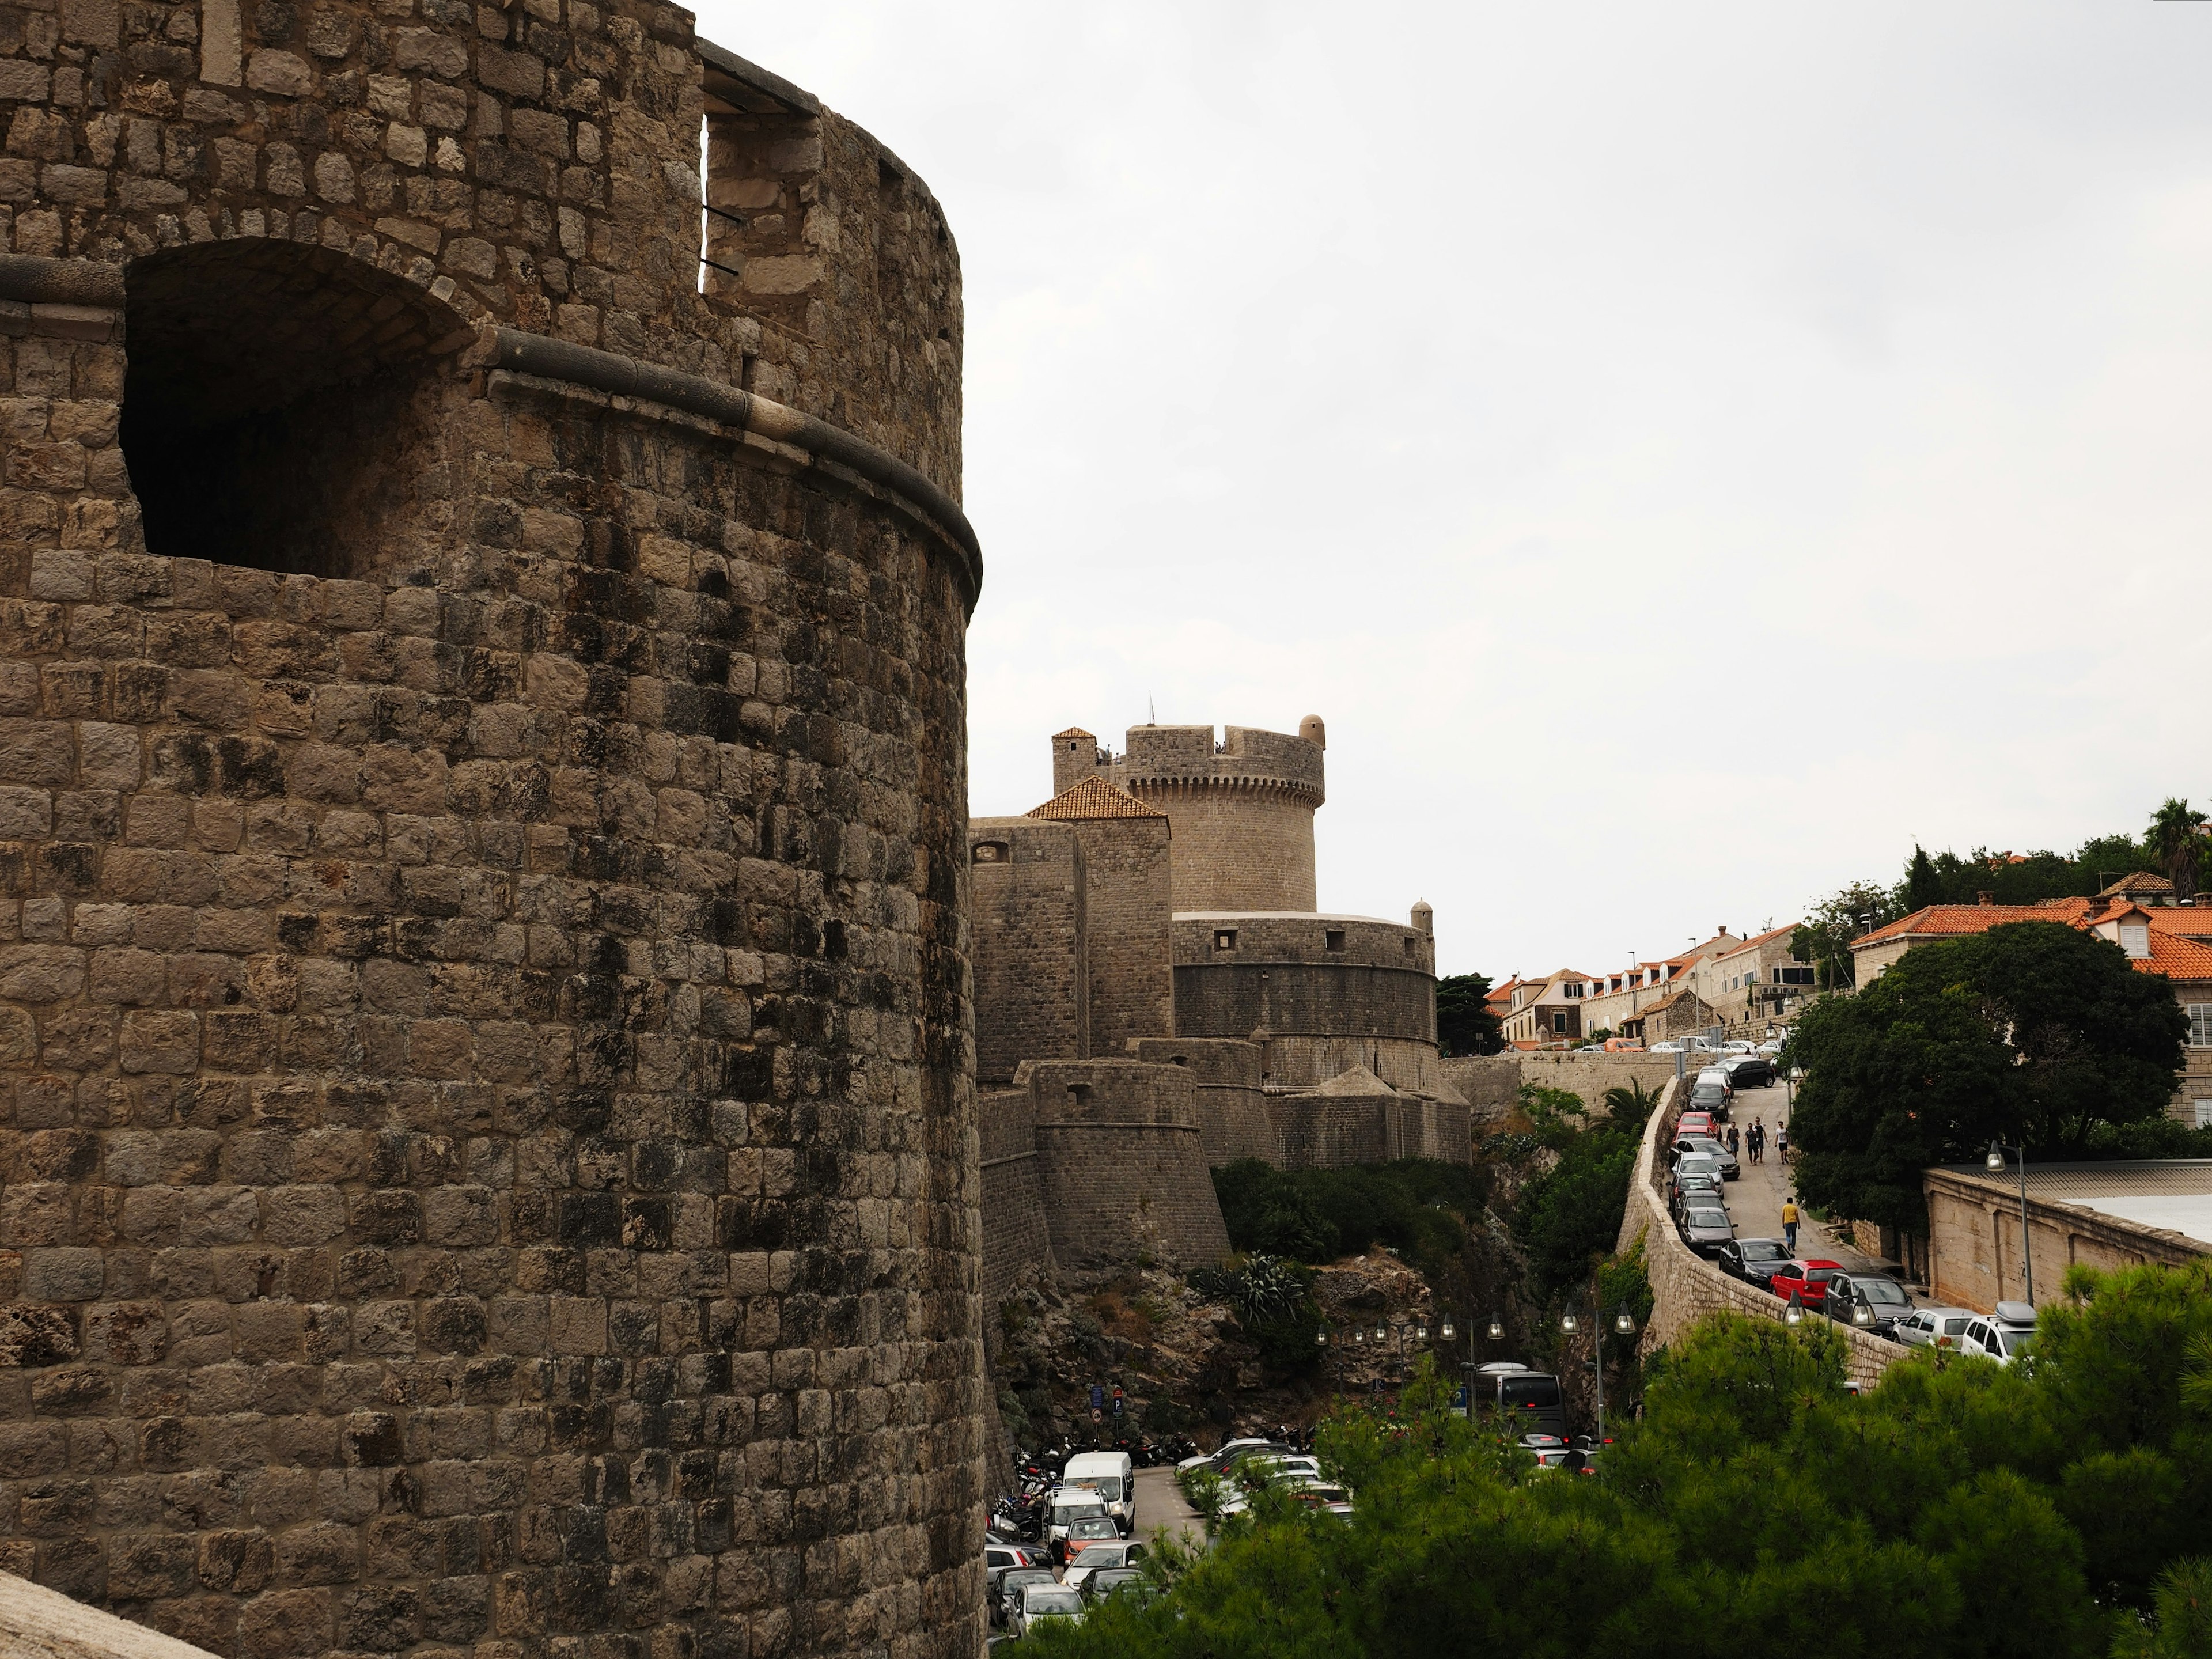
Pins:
x,y
1113,1477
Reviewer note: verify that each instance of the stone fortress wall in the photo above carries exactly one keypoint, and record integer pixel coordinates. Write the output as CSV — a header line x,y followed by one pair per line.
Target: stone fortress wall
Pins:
x,y
1031,957
1300,1037
489,1153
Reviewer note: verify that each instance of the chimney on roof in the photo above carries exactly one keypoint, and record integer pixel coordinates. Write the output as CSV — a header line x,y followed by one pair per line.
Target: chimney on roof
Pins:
x,y
1985,898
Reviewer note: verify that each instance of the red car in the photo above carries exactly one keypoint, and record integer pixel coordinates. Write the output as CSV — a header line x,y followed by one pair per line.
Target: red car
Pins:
x,y
1808,1281
1695,1123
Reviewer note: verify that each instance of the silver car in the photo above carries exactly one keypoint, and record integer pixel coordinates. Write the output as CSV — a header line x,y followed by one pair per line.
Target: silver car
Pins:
x,y
1704,1146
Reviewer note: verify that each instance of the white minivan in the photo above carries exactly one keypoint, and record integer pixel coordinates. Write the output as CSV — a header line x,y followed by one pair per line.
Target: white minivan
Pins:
x,y
1113,1477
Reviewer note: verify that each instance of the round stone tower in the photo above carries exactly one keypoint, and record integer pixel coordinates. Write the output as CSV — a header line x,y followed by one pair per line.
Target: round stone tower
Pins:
x,y
488,1157
1239,811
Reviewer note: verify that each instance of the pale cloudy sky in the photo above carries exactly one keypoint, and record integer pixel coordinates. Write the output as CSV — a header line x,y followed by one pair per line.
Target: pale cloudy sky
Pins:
x,y
1685,452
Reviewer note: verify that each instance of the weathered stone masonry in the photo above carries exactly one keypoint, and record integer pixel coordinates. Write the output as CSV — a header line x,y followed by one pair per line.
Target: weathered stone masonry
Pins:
x,y
487,1154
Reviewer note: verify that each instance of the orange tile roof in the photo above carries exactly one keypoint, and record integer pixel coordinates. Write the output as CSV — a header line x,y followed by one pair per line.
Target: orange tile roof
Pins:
x,y
1094,798
1073,731
2173,953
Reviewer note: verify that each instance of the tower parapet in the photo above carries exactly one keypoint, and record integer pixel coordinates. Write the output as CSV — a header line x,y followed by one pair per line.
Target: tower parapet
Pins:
x,y
1241,811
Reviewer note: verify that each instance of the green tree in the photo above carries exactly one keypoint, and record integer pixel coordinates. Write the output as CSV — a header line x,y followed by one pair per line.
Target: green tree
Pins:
x,y
1824,938
2034,1033
1922,886
1465,1024
1757,1507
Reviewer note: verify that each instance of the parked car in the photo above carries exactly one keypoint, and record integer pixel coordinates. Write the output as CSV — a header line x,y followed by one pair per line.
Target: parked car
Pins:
x,y
1115,1581
1227,1449
1807,1280
1115,1554
1700,1188
1771,1048
2002,1336
1735,1046
1034,1603
1750,1071
1754,1260
1704,1231
1695,1123
1065,1507
999,1560
1716,1150
1321,1495
1011,1584
1933,1327
1884,1295
1083,1532
1531,1398
1712,1096
1112,1475
1665,1049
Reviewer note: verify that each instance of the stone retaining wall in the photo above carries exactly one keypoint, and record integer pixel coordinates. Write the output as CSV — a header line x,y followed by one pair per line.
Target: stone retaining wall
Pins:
x,y
1685,1286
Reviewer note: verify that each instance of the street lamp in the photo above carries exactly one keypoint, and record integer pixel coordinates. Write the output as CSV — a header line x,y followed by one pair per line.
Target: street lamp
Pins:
x,y
1795,1313
1497,1329
1624,1322
1995,1163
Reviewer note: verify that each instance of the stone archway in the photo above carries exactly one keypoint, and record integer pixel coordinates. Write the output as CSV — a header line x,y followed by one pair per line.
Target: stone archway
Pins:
x,y
279,407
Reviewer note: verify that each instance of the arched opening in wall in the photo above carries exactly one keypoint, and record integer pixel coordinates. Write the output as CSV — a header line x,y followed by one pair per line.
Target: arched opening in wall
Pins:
x,y
278,410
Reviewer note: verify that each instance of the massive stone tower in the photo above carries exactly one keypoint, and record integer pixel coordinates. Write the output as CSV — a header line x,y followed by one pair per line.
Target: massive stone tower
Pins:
x,y
1241,810
488,1161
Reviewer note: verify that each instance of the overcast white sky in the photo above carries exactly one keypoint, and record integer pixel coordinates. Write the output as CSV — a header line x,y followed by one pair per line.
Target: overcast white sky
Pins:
x,y
1685,452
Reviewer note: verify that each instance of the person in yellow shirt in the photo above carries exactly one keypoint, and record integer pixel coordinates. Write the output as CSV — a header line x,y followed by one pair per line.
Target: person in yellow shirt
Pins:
x,y
1789,1224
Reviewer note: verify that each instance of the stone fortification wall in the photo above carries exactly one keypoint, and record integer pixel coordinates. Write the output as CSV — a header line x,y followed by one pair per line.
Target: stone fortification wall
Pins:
x,y
1228,1090
1243,816
1028,917
1125,1172
1015,1235
488,1131
1239,973
1407,1064
1685,1286
1491,1083
1132,982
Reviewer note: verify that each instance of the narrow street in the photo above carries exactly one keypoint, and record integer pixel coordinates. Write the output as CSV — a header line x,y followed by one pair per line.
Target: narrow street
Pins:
x,y
1160,1508
1755,1199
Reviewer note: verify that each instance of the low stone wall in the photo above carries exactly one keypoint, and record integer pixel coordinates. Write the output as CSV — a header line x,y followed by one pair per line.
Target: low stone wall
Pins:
x,y
1685,1286
1491,1083
1974,1239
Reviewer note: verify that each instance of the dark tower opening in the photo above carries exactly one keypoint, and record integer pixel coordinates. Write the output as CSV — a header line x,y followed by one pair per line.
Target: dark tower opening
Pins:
x,y
277,407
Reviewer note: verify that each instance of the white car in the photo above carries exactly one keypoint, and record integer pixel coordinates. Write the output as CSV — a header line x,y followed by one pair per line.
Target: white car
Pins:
x,y
1933,1327
1091,1557
1738,1048
1769,1049
1665,1049
2002,1335
1037,1602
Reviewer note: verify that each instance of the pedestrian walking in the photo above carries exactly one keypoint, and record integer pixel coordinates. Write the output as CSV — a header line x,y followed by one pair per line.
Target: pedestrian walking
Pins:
x,y
1781,1140
1757,1139
1733,1139
1790,1224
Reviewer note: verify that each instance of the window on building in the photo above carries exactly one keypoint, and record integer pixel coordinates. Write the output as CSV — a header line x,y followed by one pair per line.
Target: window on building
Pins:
x,y
1793,975
2135,940
1409,944
1559,1023
1225,938
2203,1114
1332,938
1571,988
990,852
2200,1024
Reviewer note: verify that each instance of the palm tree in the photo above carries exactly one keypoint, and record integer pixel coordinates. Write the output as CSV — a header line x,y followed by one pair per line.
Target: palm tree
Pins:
x,y
2176,836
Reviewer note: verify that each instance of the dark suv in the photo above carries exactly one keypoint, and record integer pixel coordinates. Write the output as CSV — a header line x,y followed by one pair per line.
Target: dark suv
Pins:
x,y
1754,1260
1750,1071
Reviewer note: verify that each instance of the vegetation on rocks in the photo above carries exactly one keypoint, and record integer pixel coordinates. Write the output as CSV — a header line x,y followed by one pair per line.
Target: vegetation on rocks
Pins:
x,y
2051,1509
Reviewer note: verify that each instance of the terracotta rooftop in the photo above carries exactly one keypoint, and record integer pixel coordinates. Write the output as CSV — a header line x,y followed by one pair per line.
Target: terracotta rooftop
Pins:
x,y
1094,798
2172,952
1761,939
1073,731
